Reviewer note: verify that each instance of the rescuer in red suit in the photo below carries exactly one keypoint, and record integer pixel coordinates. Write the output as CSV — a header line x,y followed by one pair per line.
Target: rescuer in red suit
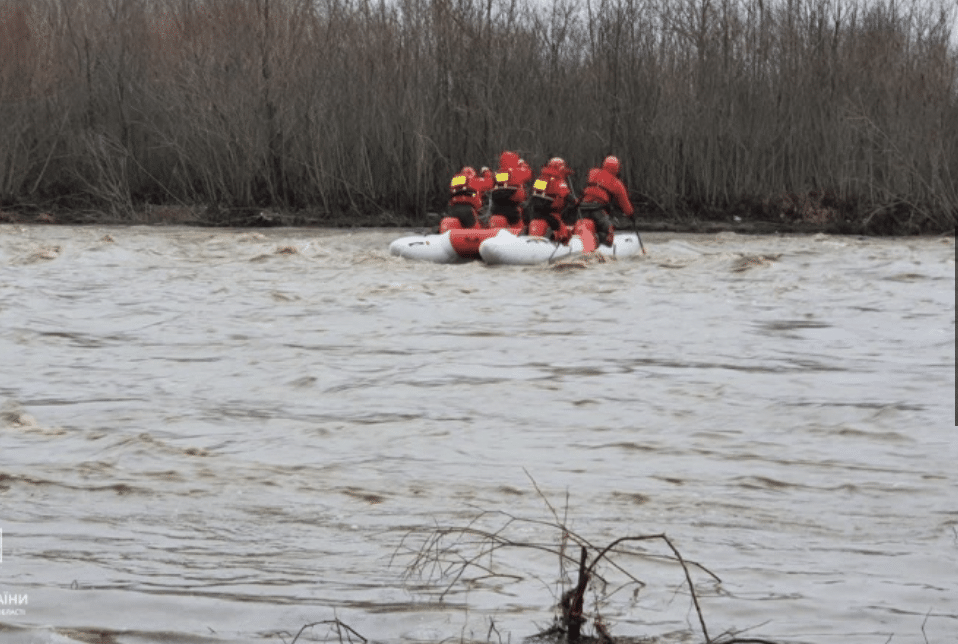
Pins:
x,y
604,191
552,201
509,187
466,192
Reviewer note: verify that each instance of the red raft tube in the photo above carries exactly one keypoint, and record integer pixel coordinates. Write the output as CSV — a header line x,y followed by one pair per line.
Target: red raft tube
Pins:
x,y
466,242
455,245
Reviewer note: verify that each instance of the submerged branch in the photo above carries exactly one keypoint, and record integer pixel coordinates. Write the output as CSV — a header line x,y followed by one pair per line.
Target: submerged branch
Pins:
x,y
448,553
344,632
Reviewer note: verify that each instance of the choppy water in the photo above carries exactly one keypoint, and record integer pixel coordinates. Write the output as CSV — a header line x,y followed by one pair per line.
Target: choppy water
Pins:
x,y
213,435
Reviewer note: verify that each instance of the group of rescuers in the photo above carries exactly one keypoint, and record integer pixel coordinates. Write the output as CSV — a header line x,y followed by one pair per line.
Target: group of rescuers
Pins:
x,y
551,210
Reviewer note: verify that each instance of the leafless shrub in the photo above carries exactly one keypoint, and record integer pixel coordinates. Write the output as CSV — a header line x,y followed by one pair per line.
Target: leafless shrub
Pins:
x,y
808,208
368,107
452,556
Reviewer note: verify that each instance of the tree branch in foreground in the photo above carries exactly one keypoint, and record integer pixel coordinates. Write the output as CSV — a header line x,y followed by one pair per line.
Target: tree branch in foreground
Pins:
x,y
452,554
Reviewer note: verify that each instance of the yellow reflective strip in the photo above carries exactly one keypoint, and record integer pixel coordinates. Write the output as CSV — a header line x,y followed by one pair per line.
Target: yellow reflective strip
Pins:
x,y
459,181
502,176
540,184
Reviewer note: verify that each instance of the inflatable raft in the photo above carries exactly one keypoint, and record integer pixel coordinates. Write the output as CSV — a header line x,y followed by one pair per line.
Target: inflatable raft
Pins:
x,y
427,248
508,248
450,247
505,245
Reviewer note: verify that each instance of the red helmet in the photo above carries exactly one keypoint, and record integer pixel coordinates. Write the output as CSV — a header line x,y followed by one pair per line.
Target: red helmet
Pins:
x,y
469,171
611,164
508,159
557,164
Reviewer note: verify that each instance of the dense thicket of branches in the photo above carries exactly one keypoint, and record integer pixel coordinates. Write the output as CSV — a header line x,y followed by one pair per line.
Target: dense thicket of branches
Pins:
x,y
370,106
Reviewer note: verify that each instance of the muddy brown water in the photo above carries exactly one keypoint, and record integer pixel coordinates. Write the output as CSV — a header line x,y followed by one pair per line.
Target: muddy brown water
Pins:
x,y
220,436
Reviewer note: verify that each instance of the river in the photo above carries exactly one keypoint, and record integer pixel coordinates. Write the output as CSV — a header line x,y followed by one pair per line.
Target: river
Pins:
x,y
217,435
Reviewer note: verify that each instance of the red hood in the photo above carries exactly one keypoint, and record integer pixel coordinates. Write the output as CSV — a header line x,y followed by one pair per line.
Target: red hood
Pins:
x,y
508,160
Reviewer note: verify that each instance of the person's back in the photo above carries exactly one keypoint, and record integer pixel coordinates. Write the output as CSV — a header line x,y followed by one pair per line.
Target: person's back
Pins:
x,y
509,189
604,187
551,200
465,199
604,190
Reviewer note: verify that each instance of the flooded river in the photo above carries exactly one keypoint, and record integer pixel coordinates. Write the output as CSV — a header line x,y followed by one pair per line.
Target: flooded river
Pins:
x,y
222,436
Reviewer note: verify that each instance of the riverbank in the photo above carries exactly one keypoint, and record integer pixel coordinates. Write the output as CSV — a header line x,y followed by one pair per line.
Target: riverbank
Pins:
x,y
783,214
827,116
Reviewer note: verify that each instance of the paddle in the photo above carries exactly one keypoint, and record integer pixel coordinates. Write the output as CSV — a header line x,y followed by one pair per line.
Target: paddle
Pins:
x,y
635,227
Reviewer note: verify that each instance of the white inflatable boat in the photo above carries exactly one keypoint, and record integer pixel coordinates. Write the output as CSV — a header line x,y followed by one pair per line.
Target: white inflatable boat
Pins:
x,y
507,248
450,247
428,248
